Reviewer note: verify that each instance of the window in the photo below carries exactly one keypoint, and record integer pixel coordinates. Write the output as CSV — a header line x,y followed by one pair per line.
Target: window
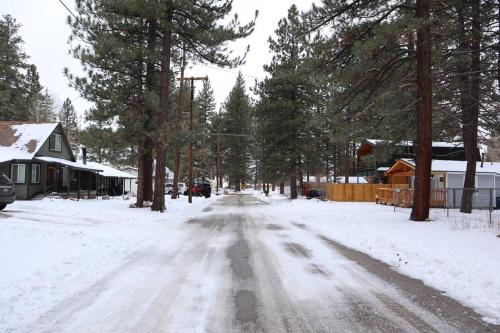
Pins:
x,y
55,142
18,173
35,173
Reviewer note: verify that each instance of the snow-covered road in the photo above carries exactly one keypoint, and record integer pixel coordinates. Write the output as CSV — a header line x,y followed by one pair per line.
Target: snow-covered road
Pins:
x,y
232,268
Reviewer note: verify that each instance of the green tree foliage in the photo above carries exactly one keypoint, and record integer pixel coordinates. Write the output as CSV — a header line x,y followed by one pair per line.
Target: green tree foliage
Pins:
x,y
22,97
12,67
69,121
285,100
204,156
236,131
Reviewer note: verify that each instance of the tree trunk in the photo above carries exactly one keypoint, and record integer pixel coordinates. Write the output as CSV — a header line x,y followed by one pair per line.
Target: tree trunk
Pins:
x,y
423,160
293,187
470,115
161,144
139,203
150,87
148,170
282,188
180,109
346,171
273,187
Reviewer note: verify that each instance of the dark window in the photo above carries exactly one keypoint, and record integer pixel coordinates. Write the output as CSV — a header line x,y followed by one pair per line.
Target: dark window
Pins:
x,y
55,142
35,173
18,173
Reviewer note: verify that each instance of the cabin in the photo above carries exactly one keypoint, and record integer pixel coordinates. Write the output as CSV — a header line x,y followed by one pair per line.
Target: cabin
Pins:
x,y
375,157
38,159
447,181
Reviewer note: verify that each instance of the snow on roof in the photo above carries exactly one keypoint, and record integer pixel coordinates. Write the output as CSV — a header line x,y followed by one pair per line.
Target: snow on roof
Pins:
x,y
74,165
108,171
21,141
353,180
410,143
460,166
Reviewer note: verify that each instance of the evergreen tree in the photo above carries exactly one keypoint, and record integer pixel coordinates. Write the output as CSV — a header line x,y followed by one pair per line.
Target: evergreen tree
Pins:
x,y
68,119
205,112
286,98
12,66
236,130
33,94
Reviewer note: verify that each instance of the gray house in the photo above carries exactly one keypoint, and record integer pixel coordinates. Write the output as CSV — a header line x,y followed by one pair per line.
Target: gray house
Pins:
x,y
39,160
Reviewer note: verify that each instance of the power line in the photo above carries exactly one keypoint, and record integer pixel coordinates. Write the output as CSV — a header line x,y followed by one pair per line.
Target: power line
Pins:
x,y
69,10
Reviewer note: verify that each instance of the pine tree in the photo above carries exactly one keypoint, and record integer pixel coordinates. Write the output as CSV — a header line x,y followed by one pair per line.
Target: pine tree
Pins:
x,y
12,66
69,121
33,94
236,122
286,98
205,112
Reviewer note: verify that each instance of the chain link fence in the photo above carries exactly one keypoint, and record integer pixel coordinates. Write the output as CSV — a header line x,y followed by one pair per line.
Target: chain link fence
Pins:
x,y
482,199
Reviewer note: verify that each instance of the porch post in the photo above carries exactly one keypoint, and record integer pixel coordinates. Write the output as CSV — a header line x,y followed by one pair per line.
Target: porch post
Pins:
x,y
88,185
123,186
44,181
96,184
79,178
70,172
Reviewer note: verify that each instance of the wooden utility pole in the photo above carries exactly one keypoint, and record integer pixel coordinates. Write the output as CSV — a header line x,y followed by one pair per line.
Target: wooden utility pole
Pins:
x,y
175,188
190,152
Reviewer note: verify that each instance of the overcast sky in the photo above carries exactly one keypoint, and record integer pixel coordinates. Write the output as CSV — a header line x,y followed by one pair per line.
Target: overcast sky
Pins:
x,y
45,33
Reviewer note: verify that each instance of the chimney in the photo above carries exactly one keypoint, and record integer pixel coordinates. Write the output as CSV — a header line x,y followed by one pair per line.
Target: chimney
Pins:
x,y
84,154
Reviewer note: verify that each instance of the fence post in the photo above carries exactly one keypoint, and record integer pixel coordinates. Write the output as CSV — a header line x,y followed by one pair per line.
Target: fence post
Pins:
x,y
394,198
446,203
491,203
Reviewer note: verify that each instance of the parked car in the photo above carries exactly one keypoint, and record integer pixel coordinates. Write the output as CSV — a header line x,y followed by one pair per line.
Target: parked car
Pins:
x,y
181,188
314,193
168,188
7,191
200,190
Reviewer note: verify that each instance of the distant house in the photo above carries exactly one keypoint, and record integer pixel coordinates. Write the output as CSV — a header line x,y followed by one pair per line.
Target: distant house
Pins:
x,y
374,157
39,161
131,186
450,175
112,181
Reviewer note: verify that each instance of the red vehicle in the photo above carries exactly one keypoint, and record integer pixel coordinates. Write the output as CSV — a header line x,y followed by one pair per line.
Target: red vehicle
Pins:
x,y
200,190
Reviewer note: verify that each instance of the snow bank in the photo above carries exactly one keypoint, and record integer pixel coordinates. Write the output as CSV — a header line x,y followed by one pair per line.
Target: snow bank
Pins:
x,y
53,248
458,255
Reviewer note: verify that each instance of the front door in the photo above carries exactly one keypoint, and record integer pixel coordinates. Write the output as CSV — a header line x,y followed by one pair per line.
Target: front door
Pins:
x,y
51,178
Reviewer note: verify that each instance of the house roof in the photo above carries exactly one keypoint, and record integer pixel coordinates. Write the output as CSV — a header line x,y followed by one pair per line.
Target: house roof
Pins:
x,y
108,171
74,165
457,166
21,140
441,144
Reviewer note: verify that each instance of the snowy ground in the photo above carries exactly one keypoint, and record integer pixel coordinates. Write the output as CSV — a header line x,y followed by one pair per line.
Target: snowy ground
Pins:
x,y
99,266
53,248
458,254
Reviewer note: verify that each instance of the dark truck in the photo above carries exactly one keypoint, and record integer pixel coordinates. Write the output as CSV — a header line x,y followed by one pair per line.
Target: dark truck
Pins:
x,y
200,190
7,191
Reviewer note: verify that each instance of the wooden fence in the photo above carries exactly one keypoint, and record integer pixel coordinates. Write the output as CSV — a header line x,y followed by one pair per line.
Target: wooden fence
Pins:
x,y
355,192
